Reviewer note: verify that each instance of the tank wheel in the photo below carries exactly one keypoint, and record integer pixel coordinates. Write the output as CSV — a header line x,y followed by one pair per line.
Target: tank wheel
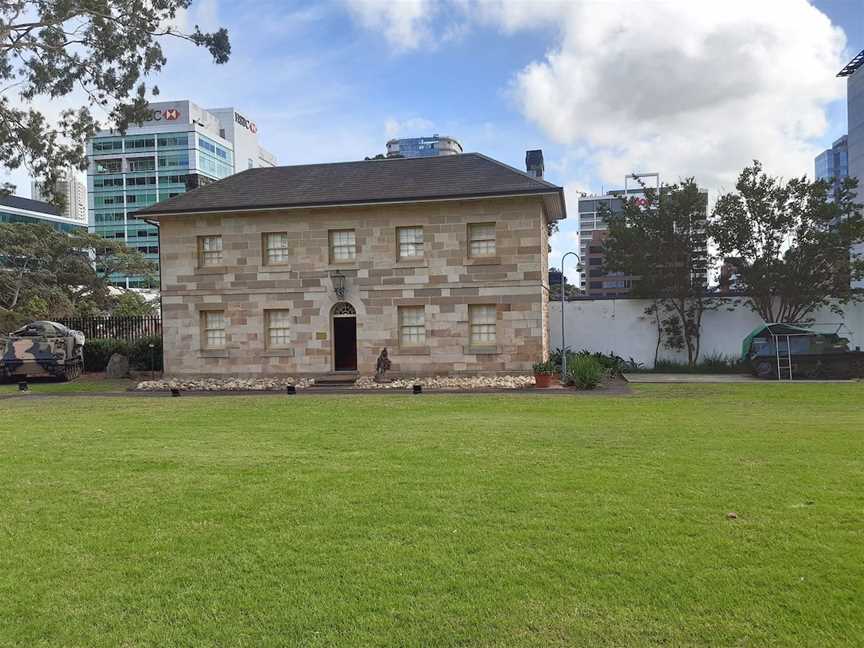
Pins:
x,y
71,372
765,369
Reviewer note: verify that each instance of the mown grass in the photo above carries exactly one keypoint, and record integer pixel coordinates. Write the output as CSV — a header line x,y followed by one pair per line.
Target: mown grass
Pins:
x,y
81,385
509,520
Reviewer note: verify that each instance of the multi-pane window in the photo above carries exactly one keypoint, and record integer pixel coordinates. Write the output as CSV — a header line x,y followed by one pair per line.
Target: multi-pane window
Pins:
x,y
275,247
412,326
278,328
342,246
213,329
210,250
482,322
410,242
481,239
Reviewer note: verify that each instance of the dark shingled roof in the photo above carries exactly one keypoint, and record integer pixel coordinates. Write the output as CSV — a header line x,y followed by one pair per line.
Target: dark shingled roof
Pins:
x,y
31,205
469,175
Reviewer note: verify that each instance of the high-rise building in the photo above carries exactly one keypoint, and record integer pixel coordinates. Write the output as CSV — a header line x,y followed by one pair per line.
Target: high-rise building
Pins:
x,y
854,73
594,280
423,146
179,147
15,209
833,164
74,193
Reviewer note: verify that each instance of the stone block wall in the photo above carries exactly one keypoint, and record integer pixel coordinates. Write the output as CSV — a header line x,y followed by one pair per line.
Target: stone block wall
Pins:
x,y
446,281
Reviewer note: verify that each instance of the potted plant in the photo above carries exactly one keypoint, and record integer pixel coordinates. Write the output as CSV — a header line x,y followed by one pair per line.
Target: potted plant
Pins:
x,y
544,373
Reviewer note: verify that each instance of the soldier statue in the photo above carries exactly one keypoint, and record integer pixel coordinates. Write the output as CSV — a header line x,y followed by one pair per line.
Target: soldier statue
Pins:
x,y
382,366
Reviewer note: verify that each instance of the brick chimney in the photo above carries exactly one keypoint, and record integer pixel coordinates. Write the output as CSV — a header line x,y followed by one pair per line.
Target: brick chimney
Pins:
x,y
534,163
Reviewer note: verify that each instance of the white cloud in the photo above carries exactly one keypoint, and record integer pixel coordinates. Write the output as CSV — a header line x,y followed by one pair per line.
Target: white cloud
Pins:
x,y
686,88
404,23
412,127
683,88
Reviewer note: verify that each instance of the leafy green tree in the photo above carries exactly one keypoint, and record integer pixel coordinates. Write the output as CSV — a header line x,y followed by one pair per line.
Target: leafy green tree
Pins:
x,y
795,243
571,291
129,304
69,273
660,240
105,48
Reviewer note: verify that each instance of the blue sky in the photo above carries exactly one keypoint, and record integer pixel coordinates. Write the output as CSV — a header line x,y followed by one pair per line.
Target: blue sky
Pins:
x,y
598,85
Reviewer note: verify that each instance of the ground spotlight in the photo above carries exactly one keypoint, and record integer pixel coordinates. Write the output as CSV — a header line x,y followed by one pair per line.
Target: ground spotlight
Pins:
x,y
418,389
290,390
175,391
23,386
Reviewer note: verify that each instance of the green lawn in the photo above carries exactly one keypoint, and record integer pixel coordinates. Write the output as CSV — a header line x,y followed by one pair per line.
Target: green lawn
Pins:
x,y
399,520
84,384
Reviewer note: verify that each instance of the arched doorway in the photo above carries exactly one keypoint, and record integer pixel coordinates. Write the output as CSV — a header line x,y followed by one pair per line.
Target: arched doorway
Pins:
x,y
344,337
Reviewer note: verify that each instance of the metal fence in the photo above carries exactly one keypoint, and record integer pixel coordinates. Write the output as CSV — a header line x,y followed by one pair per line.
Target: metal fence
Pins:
x,y
115,328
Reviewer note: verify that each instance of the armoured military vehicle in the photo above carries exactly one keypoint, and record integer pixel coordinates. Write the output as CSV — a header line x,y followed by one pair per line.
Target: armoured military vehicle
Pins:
x,y
786,352
42,349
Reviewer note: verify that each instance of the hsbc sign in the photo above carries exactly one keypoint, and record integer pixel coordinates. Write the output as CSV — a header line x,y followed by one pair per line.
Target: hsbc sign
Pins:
x,y
168,114
245,123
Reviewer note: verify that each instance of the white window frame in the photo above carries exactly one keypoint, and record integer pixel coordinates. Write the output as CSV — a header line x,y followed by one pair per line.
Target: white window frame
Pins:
x,y
482,242
273,254
211,329
412,331
210,256
410,245
282,327
336,242
482,325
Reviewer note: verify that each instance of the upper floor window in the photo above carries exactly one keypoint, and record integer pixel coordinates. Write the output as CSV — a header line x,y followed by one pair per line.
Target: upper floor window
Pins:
x,y
342,246
278,328
109,166
410,242
412,325
209,251
481,239
275,247
482,322
213,329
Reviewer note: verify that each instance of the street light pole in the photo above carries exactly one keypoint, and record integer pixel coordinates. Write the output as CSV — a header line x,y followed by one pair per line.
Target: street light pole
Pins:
x,y
563,304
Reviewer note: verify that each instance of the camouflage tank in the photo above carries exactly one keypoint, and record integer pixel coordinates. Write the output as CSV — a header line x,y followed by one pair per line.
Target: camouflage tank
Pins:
x,y
42,349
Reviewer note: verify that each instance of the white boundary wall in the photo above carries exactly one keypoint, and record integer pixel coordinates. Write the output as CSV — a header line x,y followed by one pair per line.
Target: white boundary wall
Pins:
x,y
620,326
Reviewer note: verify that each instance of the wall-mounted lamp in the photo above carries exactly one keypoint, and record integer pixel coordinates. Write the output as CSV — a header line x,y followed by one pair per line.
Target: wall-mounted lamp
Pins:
x,y
338,284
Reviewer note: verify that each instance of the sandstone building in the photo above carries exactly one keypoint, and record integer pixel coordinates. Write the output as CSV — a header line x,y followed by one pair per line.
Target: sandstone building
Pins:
x,y
314,269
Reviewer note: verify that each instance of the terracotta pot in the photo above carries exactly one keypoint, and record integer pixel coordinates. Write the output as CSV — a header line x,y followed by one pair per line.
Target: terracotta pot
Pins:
x,y
542,381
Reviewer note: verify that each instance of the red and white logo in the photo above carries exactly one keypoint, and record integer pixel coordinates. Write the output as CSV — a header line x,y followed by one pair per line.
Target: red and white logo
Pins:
x,y
171,114
253,127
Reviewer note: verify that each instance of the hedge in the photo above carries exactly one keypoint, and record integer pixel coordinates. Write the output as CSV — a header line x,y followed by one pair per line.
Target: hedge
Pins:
x,y
97,353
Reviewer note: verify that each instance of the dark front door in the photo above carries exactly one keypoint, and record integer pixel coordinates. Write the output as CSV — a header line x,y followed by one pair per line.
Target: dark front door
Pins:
x,y
345,343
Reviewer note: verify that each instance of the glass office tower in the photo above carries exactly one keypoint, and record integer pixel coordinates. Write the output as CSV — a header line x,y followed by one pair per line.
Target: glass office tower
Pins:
x,y
179,148
410,147
833,164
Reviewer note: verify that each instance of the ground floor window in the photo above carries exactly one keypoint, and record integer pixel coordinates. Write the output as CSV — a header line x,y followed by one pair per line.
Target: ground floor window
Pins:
x,y
278,328
412,325
213,328
482,323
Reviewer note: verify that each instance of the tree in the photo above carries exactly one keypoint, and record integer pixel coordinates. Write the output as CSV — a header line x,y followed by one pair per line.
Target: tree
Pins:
x,y
556,279
129,304
68,273
794,241
660,240
101,47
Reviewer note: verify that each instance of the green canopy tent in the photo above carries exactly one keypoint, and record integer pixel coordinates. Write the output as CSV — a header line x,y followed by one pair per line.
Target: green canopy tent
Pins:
x,y
773,330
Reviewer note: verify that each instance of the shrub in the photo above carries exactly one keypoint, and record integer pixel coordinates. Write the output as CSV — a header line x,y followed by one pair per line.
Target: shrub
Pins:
x,y
97,353
547,367
710,364
584,372
140,354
